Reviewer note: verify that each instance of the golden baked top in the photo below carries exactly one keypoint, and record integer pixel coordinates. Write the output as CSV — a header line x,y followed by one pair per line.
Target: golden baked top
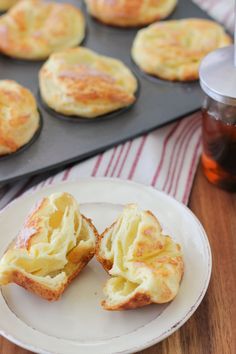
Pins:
x,y
54,244
19,117
126,13
146,266
6,4
83,83
173,50
33,29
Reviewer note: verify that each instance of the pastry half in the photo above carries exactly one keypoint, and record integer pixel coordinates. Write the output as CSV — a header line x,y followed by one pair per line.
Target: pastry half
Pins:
x,y
81,83
172,50
33,29
145,266
19,116
54,245
130,13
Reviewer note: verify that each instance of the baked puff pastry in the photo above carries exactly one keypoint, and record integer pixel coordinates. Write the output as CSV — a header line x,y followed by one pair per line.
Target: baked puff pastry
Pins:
x,y
33,29
130,13
173,50
79,82
19,117
54,245
145,265
6,4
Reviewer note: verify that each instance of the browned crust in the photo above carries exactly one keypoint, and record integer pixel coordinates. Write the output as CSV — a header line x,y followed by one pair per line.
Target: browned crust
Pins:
x,y
15,45
104,88
30,227
46,292
122,13
42,290
21,116
91,225
138,300
187,77
152,215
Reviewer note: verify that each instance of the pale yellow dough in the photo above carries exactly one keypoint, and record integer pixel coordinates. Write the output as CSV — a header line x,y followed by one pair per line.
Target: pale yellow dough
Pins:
x,y
80,82
173,50
19,117
145,265
54,245
33,29
6,4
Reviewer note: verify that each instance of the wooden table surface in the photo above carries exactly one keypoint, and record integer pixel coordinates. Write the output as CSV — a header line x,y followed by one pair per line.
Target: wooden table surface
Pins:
x,y
212,329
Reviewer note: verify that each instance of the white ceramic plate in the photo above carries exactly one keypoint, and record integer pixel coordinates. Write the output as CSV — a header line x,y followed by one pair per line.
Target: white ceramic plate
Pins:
x,y
77,324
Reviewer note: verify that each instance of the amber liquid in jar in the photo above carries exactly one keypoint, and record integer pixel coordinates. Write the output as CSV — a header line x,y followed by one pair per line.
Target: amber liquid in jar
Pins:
x,y
219,144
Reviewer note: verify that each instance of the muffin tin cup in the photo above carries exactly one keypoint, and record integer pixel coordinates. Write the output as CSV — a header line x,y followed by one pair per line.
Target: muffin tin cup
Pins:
x,y
79,119
30,142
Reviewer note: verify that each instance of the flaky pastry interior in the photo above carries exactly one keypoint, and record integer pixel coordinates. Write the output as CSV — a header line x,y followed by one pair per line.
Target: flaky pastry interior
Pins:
x,y
145,265
55,243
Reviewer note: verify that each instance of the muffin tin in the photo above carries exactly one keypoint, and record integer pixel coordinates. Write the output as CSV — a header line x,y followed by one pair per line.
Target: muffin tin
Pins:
x,y
63,141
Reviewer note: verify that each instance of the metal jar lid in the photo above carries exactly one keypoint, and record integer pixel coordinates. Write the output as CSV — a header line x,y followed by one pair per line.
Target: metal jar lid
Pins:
x,y
218,75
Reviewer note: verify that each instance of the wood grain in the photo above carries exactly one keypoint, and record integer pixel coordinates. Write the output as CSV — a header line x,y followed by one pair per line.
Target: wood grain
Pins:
x,y
212,329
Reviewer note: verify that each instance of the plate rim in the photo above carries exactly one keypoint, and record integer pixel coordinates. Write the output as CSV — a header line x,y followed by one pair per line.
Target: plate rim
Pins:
x,y
178,323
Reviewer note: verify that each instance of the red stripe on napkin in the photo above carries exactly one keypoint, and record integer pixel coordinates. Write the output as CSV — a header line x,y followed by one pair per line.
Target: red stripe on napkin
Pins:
x,y
172,162
97,164
158,170
110,161
191,172
129,145
181,151
183,157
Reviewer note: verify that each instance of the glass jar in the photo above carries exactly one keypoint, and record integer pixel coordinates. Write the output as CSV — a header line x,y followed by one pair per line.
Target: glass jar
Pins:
x,y
218,81
219,143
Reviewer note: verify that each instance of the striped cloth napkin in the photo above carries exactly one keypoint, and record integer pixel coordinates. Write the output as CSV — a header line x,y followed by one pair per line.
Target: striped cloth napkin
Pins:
x,y
166,158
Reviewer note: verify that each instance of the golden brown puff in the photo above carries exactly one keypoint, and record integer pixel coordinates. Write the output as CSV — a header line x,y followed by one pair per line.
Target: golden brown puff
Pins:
x,y
33,29
19,117
83,83
6,4
128,13
54,245
145,265
173,50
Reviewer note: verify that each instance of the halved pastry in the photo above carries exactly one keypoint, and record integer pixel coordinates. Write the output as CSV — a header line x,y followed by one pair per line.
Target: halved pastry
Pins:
x,y
145,265
54,245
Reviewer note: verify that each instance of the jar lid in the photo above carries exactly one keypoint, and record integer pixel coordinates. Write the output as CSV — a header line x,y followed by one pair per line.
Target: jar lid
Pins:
x,y
218,75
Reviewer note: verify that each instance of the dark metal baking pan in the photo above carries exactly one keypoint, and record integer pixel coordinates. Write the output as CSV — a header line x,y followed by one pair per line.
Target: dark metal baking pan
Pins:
x,y
61,142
